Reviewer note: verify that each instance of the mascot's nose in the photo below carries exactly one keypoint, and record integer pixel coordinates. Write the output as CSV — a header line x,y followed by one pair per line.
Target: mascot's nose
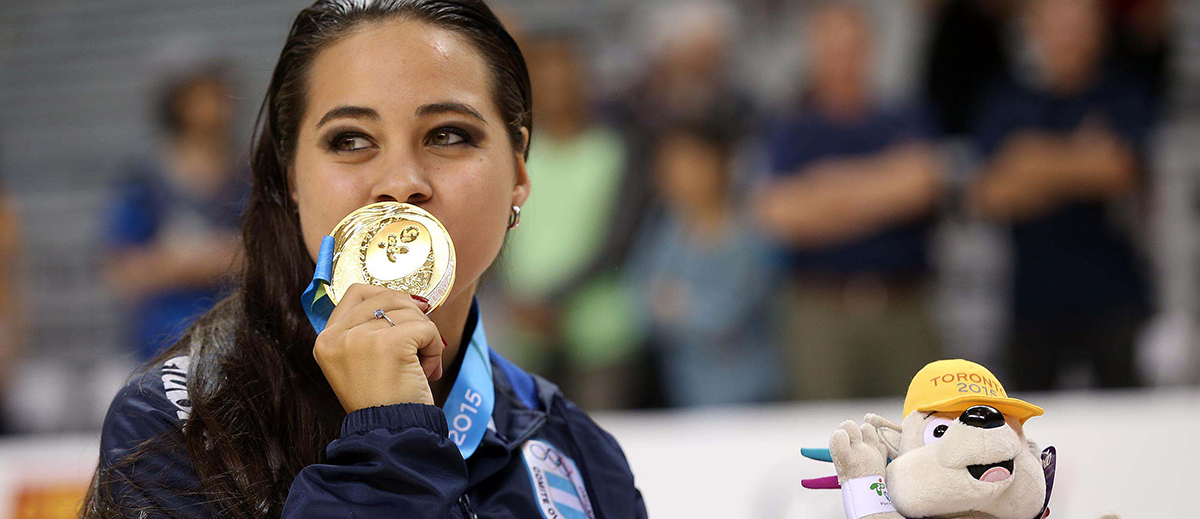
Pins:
x,y
982,416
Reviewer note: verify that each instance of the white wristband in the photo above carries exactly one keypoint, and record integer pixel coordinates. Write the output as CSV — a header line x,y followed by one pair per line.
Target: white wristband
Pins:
x,y
865,496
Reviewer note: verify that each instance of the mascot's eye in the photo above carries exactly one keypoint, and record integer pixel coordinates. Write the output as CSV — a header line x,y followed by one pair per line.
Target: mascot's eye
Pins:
x,y
936,428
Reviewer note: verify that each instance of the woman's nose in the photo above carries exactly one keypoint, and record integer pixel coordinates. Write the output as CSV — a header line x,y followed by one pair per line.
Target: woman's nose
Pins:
x,y
402,182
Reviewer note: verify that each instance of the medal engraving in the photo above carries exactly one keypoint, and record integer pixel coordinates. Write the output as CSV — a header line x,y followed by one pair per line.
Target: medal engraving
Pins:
x,y
409,234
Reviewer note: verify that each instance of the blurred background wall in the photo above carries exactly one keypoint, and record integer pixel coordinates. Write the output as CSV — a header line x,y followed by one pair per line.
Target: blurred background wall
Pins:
x,y
81,90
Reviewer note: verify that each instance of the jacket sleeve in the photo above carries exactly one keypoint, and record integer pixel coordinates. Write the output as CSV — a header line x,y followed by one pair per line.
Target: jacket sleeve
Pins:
x,y
141,420
388,460
393,460
616,494
637,506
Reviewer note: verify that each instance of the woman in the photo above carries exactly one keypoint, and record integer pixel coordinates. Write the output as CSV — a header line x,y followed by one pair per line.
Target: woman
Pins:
x,y
252,414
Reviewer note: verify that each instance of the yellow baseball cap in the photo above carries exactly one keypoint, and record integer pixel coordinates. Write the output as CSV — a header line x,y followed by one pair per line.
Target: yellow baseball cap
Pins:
x,y
954,385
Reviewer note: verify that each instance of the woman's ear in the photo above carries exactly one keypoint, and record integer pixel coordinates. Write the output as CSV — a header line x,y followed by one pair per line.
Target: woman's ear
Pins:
x,y
522,185
289,179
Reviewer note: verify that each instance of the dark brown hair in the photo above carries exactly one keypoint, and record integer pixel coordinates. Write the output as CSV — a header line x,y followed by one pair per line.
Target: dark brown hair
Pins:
x,y
172,91
261,408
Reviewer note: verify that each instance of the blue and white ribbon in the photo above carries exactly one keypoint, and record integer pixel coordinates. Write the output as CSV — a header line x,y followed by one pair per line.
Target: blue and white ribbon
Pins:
x,y
315,299
469,407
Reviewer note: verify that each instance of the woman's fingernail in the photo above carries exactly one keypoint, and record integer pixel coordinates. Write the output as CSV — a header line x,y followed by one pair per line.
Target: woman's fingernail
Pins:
x,y
419,298
444,343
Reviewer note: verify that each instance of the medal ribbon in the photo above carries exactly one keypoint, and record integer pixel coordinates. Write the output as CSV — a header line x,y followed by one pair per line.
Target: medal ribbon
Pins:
x,y
469,406
315,299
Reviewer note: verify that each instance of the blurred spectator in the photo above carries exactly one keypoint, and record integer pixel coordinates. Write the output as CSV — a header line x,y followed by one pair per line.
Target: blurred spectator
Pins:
x,y
566,299
704,278
854,187
686,76
967,51
173,228
1062,153
10,317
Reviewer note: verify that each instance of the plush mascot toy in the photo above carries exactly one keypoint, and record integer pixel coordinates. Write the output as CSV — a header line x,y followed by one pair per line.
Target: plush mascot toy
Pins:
x,y
960,452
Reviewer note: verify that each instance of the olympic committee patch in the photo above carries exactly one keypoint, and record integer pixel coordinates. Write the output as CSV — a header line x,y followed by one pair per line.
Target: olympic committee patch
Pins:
x,y
556,482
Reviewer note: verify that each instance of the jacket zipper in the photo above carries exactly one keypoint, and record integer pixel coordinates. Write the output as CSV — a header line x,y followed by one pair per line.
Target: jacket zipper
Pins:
x,y
464,503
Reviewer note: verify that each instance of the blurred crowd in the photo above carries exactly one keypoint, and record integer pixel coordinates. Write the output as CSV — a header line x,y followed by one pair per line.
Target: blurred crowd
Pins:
x,y
688,247
688,243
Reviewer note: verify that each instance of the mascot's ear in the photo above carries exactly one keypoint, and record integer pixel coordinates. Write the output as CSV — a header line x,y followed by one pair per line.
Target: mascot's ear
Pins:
x,y
888,431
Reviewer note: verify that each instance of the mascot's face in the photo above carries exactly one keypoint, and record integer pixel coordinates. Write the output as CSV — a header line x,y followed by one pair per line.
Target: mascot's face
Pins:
x,y
947,464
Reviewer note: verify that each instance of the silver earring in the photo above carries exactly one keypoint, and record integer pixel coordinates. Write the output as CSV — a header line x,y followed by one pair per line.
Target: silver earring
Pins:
x,y
514,218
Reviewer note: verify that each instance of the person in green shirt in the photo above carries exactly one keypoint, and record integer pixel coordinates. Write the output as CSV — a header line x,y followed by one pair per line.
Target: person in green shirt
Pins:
x,y
570,318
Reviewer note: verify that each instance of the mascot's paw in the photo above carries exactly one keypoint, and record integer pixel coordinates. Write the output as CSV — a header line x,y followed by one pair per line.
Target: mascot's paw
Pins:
x,y
1108,515
857,451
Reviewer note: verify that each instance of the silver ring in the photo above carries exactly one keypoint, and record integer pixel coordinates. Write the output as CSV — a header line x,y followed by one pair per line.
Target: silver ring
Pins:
x,y
380,314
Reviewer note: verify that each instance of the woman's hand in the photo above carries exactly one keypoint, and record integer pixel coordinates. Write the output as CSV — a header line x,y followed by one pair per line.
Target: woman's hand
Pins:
x,y
369,362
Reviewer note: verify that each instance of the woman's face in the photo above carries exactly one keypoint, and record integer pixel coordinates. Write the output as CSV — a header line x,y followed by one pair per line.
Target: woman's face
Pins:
x,y
402,110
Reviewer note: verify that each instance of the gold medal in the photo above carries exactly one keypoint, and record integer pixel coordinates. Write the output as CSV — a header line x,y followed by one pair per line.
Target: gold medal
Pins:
x,y
393,245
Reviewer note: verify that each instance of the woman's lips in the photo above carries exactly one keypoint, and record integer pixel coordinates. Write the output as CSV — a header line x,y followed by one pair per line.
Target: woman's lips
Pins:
x,y
992,472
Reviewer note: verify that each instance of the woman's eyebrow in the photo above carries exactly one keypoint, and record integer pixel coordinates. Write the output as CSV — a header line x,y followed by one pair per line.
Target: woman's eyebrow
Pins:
x,y
358,112
451,107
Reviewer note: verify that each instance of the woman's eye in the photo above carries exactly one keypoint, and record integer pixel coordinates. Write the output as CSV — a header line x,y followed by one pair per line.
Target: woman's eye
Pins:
x,y
935,429
350,143
447,137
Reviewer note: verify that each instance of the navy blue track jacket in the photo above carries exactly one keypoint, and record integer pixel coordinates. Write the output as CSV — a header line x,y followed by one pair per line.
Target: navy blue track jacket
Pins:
x,y
540,457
